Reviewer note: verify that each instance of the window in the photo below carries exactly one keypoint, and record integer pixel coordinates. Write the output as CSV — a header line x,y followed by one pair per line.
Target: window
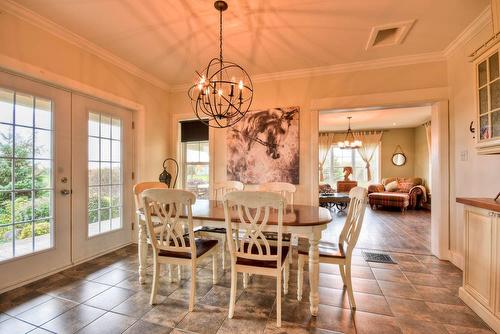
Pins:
x,y
104,174
196,168
195,158
339,158
26,164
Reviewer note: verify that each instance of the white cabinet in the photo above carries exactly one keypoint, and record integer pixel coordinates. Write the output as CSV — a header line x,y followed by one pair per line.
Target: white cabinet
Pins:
x,y
481,286
487,89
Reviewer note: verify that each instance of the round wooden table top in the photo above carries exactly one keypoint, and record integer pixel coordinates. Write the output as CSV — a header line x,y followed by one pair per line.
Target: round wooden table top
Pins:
x,y
296,215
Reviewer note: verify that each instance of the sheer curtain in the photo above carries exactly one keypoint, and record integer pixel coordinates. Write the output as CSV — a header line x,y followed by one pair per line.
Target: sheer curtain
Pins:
x,y
370,142
326,140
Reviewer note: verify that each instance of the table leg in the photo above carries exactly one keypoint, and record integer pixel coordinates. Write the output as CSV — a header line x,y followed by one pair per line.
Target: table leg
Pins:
x,y
314,271
143,251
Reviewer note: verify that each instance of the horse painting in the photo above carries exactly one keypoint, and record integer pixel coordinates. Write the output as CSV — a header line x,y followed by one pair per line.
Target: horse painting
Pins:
x,y
264,147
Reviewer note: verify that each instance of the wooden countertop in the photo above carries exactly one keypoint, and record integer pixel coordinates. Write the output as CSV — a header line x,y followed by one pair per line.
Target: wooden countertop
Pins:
x,y
484,203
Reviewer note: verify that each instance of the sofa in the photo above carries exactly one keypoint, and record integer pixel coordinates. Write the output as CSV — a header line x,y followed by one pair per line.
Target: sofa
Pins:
x,y
397,192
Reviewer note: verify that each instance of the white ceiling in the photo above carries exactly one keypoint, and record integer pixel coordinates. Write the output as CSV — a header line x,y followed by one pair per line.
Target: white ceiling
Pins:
x,y
374,119
170,39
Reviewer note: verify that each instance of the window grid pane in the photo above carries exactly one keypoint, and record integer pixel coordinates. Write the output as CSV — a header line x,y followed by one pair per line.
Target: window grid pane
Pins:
x,y
26,166
196,168
104,174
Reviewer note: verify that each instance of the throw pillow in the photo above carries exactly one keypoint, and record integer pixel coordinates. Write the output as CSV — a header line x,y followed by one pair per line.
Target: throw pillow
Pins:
x,y
392,186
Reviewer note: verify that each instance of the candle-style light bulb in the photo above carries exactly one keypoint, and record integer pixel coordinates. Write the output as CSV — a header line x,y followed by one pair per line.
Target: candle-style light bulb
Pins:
x,y
240,85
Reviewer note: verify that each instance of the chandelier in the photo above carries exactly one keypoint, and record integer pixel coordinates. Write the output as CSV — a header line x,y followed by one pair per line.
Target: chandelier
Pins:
x,y
349,142
223,91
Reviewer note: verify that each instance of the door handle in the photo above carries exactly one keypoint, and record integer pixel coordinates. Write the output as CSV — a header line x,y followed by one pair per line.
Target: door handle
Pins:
x,y
65,192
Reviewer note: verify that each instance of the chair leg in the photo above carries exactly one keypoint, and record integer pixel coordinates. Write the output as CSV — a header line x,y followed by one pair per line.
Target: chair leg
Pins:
x,y
342,273
278,300
156,276
300,277
170,277
232,298
286,276
245,280
223,250
215,258
192,294
349,286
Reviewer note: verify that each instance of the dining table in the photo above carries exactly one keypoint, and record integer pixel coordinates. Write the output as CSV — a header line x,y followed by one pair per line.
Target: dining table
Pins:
x,y
305,221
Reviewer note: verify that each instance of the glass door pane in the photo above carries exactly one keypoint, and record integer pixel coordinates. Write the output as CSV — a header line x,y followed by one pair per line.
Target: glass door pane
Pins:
x,y
26,164
104,174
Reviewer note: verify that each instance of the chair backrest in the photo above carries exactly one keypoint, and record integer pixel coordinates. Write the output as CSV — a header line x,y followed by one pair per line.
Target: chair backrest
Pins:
x,y
166,205
140,187
285,189
224,187
251,210
354,220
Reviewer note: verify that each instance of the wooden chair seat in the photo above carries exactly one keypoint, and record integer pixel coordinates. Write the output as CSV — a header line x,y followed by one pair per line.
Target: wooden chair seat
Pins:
x,y
202,247
262,263
219,230
326,249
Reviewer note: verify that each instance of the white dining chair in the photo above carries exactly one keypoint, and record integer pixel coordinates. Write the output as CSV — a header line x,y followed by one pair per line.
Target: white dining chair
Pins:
x,y
247,217
285,189
220,189
170,243
137,190
340,253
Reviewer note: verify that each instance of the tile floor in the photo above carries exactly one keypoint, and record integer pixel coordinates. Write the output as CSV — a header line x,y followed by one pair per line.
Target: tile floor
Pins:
x,y
418,295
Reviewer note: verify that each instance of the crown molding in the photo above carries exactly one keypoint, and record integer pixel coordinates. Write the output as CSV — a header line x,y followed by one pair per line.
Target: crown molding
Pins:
x,y
470,31
79,41
340,68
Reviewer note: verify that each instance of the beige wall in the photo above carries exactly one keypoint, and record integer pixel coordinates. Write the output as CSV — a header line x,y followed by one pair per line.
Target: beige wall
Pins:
x,y
390,139
29,44
303,92
478,175
421,152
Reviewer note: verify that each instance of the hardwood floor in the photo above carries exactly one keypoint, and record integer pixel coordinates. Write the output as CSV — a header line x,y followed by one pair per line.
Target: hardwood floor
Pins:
x,y
389,231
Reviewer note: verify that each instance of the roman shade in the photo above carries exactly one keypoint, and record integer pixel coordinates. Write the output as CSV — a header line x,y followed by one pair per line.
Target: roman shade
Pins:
x,y
193,130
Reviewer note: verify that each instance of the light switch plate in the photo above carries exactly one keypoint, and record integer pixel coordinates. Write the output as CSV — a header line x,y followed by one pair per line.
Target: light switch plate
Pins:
x,y
464,155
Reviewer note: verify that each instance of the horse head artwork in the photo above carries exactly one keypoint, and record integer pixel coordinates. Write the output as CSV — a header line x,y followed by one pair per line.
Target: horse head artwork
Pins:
x,y
259,132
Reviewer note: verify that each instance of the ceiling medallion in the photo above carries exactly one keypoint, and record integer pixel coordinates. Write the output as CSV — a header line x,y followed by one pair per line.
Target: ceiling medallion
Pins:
x,y
349,142
223,91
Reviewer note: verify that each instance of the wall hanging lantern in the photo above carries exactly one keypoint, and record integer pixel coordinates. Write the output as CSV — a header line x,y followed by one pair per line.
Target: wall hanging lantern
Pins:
x,y
223,91
349,142
165,176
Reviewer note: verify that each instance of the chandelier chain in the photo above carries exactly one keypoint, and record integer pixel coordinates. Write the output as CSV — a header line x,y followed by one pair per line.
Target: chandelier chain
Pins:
x,y
220,34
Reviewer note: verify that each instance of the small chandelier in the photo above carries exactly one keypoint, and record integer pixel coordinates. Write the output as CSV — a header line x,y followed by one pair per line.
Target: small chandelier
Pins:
x,y
349,142
223,91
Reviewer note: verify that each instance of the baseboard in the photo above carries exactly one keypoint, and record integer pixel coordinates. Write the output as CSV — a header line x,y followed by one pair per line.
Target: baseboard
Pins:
x,y
480,310
457,259
55,271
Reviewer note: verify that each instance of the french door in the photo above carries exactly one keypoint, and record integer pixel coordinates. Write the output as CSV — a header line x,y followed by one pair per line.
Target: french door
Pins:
x,y
102,175
35,174
65,179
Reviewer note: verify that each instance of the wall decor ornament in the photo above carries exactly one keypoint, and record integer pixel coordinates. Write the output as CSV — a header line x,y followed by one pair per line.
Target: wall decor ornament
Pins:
x,y
264,147
398,157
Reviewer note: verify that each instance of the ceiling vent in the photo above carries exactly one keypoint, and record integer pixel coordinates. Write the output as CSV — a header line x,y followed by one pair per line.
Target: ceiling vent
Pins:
x,y
389,34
